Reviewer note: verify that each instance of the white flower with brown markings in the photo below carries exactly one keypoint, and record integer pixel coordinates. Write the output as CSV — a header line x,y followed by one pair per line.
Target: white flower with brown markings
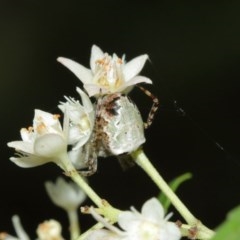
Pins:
x,y
148,225
108,74
41,143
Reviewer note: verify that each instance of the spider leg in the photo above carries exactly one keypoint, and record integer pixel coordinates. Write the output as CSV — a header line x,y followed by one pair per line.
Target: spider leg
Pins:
x,y
92,167
153,109
90,158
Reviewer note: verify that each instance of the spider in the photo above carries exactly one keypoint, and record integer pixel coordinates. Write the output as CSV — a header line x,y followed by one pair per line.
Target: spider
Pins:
x,y
118,130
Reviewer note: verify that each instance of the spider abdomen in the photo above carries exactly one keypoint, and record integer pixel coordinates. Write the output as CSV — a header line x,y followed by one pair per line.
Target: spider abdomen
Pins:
x,y
119,125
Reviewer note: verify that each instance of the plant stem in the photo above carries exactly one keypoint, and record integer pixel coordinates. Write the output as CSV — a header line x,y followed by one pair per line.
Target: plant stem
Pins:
x,y
18,228
196,233
90,230
70,170
142,160
74,224
104,207
147,166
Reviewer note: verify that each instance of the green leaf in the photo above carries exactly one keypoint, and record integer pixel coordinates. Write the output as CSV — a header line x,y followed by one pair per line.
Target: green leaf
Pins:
x,y
230,228
174,184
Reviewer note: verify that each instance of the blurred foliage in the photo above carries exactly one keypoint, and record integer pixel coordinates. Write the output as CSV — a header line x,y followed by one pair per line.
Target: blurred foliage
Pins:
x,y
230,228
174,185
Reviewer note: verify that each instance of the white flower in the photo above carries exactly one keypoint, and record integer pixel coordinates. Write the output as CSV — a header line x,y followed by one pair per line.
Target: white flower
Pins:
x,y
21,234
108,74
49,230
44,142
150,224
103,234
81,119
66,195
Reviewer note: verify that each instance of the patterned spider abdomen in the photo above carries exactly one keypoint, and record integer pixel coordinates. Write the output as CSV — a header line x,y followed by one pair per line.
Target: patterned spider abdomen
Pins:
x,y
119,125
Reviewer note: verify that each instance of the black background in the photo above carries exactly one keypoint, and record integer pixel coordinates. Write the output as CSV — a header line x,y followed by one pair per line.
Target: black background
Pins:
x,y
194,51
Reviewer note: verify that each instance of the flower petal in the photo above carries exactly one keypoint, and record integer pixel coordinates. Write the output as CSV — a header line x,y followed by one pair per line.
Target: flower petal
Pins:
x,y
21,146
57,193
126,219
27,135
77,157
132,68
48,119
138,79
128,86
65,121
49,145
87,104
103,234
66,195
44,123
153,210
172,231
83,73
80,142
94,89
96,54
29,161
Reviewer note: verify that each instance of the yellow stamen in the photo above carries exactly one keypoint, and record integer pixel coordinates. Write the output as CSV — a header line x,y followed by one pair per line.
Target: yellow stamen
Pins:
x,y
41,128
120,61
56,116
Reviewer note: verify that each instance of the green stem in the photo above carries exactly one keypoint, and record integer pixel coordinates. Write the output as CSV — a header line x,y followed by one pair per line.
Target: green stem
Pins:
x,y
104,207
70,170
147,166
192,232
74,224
90,230
141,159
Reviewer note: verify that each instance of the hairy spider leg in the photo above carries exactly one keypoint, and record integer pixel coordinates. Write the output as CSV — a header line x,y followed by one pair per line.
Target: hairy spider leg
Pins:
x,y
153,109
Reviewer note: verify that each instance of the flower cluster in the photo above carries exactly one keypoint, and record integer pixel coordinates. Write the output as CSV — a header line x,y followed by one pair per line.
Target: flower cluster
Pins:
x,y
112,125
46,141
48,230
147,225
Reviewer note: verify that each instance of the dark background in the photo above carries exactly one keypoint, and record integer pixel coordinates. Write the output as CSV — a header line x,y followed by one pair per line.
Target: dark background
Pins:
x,y
195,53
